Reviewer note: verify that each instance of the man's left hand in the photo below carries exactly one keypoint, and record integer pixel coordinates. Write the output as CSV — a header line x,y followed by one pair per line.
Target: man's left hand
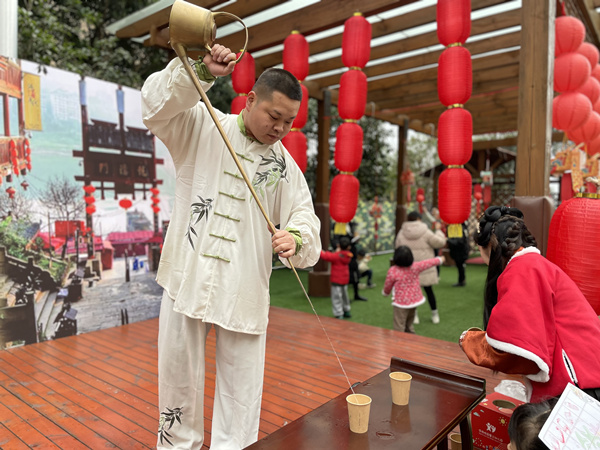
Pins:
x,y
283,244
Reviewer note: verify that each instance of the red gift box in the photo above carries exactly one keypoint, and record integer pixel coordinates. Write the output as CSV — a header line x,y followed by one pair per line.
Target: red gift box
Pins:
x,y
489,421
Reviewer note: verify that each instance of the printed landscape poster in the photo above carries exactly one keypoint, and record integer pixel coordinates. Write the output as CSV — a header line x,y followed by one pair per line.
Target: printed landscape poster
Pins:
x,y
60,131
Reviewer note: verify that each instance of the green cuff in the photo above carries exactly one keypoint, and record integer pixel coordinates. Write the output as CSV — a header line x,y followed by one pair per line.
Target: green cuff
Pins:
x,y
297,237
203,72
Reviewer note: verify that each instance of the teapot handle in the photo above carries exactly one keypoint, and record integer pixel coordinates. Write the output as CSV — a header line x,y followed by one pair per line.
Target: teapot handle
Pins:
x,y
236,18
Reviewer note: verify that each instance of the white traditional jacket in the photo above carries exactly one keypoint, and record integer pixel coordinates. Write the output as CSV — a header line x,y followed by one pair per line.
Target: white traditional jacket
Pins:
x,y
217,257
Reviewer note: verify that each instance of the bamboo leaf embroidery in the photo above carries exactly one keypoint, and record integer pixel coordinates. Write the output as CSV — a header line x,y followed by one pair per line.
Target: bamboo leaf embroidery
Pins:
x,y
275,169
166,422
198,211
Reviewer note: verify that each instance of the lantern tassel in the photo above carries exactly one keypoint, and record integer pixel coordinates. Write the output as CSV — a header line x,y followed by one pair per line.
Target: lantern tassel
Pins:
x,y
455,230
339,228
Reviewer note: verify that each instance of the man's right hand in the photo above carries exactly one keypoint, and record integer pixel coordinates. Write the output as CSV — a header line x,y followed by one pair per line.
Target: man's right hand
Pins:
x,y
220,61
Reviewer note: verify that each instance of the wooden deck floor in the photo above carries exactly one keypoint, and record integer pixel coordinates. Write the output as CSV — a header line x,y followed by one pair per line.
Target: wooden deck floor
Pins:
x,y
99,389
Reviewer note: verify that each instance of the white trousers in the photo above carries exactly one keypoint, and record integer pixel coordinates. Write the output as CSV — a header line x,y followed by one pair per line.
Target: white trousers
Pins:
x,y
240,360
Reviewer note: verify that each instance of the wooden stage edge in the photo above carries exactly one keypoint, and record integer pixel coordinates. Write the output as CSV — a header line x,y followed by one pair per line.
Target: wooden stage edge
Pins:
x,y
99,389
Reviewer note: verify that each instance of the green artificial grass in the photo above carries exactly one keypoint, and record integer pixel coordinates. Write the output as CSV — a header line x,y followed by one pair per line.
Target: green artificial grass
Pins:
x,y
460,307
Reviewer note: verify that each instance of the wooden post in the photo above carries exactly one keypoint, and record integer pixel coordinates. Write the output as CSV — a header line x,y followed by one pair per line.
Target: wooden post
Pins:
x,y
400,189
318,279
535,97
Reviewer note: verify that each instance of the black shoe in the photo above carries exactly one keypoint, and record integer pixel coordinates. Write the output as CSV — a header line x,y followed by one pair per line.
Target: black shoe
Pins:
x,y
338,317
362,299
459,284
347,314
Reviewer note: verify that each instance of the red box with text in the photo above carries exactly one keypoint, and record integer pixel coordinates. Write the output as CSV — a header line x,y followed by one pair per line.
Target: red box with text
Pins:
x,y
489,421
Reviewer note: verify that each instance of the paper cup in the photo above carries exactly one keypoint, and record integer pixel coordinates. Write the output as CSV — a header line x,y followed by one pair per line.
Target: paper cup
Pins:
x,y
400,382
359,407
455,441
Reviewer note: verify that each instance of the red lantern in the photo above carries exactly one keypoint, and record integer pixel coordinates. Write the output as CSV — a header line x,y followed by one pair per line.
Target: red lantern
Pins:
x,y
453,21
455,76
590,52
302,116
155,200
154,191
593,146
343,199
570,110
243,75
11,192
156,209
596,72
348,147
91,209
352,97
356,41
420,199
571,70
591,89
478,196
89,189
89,199
455,137
454,195
569,34
295,55
125,203
295,143
588,131
572,234
238,104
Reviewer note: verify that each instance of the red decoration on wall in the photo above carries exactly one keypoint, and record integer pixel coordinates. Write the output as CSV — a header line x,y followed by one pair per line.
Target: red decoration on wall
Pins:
x,y
455,136
573,232
571,70
570,110
352,97
295,143
455,76
454,195
295,55
125,203
343,199
348,147
569,34
453,21
356,41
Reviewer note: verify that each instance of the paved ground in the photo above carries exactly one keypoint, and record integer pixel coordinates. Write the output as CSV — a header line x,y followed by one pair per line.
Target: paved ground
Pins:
x,y
102,303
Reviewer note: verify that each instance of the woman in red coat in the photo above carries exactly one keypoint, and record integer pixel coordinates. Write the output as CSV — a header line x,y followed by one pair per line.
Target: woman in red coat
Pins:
x,y
540,325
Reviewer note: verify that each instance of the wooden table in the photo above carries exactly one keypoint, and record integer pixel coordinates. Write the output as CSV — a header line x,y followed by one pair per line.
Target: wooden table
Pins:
x,y
440,400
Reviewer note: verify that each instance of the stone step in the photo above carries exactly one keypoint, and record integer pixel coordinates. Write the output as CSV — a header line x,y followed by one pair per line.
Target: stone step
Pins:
x,y
45,317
